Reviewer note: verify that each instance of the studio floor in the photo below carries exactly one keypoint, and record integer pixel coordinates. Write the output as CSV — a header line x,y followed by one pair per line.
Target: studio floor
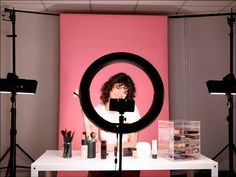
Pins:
x,y
202,173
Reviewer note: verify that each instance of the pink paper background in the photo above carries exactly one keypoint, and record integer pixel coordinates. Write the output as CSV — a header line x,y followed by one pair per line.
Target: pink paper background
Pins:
x,y
87,37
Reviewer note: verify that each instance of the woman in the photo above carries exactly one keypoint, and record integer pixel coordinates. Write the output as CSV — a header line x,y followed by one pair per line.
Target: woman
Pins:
x,y
119,86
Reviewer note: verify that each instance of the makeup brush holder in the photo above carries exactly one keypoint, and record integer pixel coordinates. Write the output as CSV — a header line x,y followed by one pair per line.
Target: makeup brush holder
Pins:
x,y
91,149
67,149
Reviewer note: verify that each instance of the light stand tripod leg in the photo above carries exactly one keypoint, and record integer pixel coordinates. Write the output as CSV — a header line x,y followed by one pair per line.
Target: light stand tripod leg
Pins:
x,y
220,152
4,155
22,150
234,148
8,166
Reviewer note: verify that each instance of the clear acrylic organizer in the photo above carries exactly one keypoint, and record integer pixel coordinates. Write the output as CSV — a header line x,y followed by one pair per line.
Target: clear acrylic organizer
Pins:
x,y
179,140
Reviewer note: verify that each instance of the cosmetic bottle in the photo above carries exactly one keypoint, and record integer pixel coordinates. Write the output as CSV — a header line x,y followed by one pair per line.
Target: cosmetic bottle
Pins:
x,y
134,153
154,149
103,149
84,149
115,151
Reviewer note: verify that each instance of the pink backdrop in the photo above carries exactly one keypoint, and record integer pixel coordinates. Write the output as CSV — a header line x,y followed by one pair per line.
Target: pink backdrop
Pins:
x,y
87,37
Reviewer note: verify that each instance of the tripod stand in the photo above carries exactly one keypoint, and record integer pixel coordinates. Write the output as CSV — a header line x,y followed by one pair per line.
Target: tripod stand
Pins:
x,y
12,84
230,145
11,168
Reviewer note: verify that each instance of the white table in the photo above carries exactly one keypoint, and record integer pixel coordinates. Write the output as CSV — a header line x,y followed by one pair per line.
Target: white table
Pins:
x,y
52,160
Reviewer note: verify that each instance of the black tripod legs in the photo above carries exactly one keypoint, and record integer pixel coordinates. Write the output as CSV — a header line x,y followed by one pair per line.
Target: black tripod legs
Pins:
x,y
24,152
234,149
17,166
4,155
220,152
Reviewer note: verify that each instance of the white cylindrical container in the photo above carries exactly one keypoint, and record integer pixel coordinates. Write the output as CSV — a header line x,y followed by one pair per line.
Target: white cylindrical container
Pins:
x,y
143,149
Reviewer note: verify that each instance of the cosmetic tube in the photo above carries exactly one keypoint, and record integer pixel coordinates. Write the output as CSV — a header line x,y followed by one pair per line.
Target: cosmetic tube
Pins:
x,y
84,149
154,149
103,149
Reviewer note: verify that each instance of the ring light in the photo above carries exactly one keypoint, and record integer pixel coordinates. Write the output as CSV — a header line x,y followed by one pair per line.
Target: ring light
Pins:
x,y
93,116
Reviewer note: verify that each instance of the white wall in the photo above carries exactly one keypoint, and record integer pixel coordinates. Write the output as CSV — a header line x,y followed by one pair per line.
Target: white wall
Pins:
x,y
198,51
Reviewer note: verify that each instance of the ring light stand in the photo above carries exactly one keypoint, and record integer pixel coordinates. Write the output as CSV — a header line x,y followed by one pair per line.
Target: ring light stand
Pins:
x,y
121,123
93,116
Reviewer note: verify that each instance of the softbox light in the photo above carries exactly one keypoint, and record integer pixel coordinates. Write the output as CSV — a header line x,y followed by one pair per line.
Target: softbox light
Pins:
x,y
226,86
12,84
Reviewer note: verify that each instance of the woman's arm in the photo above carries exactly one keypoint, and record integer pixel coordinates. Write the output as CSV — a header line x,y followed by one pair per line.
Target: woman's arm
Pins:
x,y
131,143
133,139
91,128
87,126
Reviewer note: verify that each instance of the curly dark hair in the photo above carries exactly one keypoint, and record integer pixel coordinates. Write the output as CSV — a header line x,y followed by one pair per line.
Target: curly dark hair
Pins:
x,y
122,79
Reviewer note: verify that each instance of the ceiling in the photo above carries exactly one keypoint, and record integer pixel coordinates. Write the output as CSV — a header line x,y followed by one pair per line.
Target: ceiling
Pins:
x,y
162,7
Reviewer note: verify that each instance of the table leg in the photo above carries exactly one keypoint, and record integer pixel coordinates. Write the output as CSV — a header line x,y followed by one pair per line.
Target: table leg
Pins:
x,y
34,172
49,174
190,173
214,170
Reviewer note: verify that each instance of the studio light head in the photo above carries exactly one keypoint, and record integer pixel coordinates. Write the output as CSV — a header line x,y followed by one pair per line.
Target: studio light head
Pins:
x,y
223,87
12,84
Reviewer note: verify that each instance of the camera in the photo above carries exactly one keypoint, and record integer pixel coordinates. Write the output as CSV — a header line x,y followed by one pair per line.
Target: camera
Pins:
x,y
121,105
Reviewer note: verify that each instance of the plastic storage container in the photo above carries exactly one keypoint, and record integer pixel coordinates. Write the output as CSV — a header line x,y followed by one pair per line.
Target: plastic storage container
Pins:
x,y
179,140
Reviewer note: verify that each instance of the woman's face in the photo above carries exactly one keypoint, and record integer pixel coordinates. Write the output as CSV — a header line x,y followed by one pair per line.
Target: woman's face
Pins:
x,y
118,91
